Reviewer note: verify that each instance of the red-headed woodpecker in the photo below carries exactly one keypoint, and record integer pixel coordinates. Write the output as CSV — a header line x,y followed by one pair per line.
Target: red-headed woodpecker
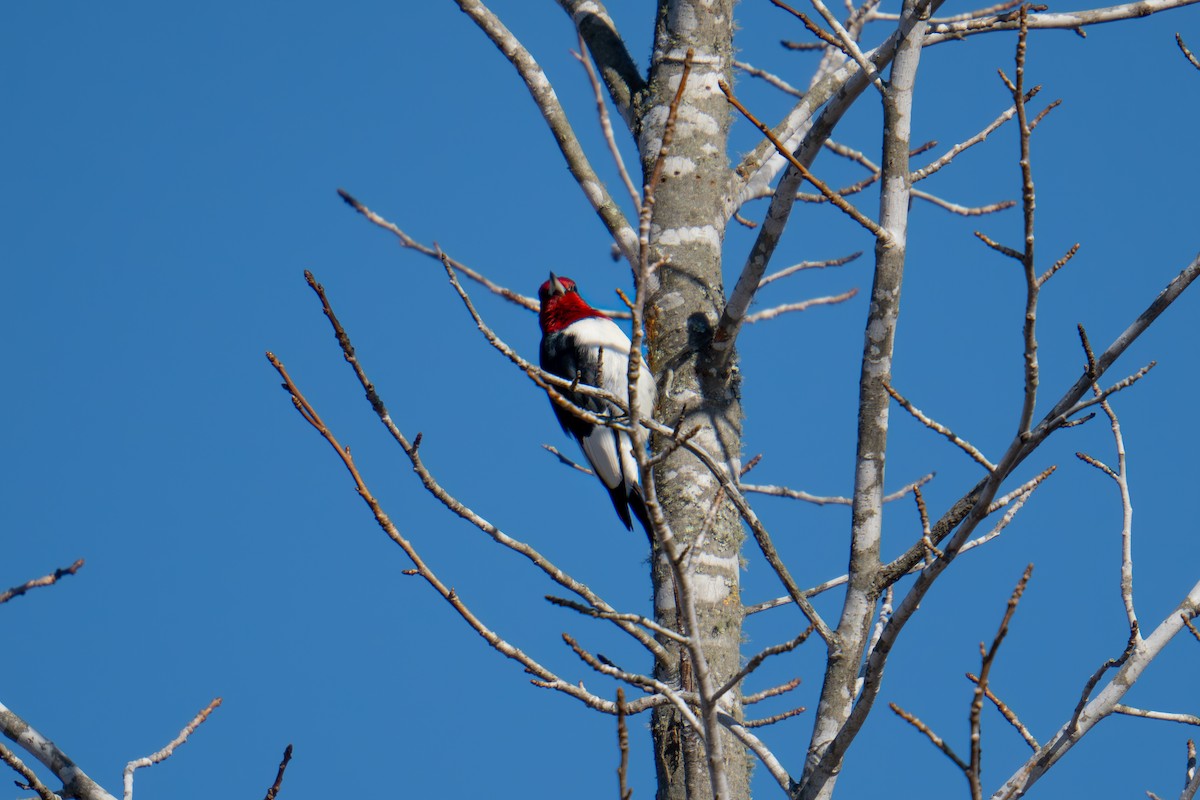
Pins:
x,y
581,343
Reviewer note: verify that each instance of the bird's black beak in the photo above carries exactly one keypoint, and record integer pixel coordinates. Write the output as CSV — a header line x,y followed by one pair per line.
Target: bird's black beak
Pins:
x,y
556,287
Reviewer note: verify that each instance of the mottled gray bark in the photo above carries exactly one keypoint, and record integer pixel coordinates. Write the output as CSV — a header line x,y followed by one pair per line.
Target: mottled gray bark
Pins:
x,y
841,675
686,298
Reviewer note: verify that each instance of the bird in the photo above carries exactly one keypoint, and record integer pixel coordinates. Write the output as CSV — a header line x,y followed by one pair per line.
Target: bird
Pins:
x,y
580,343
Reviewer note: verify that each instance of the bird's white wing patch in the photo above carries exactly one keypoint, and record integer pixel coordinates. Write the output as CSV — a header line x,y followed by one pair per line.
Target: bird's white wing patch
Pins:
x,y
611,345
600,447
609,452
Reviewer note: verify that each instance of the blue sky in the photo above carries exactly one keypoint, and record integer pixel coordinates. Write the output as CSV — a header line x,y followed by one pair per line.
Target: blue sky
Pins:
x,y
169,174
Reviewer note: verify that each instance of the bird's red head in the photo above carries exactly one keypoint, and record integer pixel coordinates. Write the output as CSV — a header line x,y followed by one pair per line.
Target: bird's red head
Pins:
x,y
561,305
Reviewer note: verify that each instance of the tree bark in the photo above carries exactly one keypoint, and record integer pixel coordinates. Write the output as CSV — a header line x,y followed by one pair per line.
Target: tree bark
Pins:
x,y
686,299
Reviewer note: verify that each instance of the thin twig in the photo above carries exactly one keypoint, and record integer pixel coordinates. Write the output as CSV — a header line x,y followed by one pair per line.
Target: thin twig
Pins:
x,y
1188,54
274,790
1192,628
566,461
408,242
803,305
961,210
833,197
999,248
1028,203
796,494
1165,716
938,741
1008,713
606,125
1121,478
843,41
774,80
623,790
1065,20
756,661
555,116
771,720
1062,262
45,580
774,691
542,676
166,752
832,262
613,615
1191,774
31,778
962,444
934,166
988,658
931,550
431,483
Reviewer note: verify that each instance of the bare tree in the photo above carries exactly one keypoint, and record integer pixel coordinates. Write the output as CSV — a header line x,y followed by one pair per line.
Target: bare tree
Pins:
x,y
678,116
671,232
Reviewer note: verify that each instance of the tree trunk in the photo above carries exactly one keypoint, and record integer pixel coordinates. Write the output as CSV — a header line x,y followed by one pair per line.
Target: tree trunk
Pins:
x,y
686,299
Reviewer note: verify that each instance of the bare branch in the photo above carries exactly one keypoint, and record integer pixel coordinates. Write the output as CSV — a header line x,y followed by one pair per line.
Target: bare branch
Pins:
x,y
843,41
774,80
1022,490
950,154
966,15
755,745
833,262
938,741
961,210
1041,115
596,613
76,783
931,550
756,661
999,248
626,86
1028,203
839,87
435,488
1165,716
640,681
169,750
771,720
31,778
1187,621
803,305
543,676
554,451
1062,262
962,444
1121,478
824,188
1007,712
774,691
975,771
623,790
274,790
606,126
1069,20
1192,774
45,580
1135,660
796,494
965,515
552,111
433,252
843,674
1188,54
